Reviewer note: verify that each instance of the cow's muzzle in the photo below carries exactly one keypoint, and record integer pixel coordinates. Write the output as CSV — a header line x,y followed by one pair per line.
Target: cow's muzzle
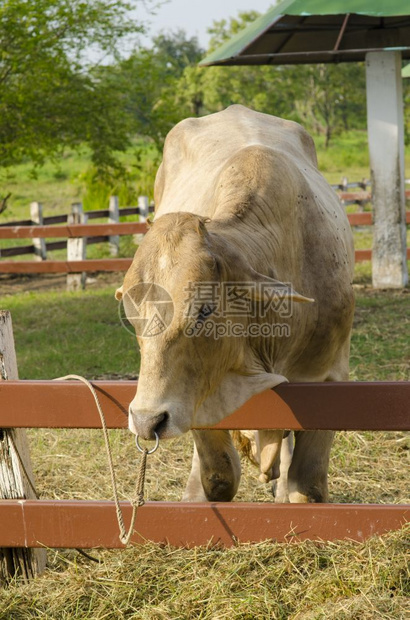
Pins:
x,y
147,424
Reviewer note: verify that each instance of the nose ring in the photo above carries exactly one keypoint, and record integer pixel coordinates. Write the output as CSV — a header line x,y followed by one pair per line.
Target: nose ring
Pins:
x,y
137,443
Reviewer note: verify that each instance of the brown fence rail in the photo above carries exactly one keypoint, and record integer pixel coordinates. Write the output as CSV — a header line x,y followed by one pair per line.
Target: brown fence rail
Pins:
x,y
87,524
296,406
61,266
71,232
91,215
99,232
103,264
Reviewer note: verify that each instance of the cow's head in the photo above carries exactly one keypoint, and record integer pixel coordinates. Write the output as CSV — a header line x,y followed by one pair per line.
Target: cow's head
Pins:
x,y
194,370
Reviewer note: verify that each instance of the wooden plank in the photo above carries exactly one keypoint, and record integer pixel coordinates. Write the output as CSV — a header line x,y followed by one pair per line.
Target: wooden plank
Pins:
x,y
100,239
18,223
360,219
15,467
60,266
76,230
102,264
36,213
88,524
76,249
143,206
355,196
18,250
129,211
362,255
309,406
95,215
54,219
114,218
56,245
50,245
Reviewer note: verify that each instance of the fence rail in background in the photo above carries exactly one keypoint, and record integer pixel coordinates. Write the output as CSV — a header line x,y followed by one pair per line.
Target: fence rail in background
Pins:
x,y
40,247
61,266
87,524
110,232
71,231
92,215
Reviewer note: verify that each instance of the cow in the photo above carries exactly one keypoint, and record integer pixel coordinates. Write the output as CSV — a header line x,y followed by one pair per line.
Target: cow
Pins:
x,y
240,205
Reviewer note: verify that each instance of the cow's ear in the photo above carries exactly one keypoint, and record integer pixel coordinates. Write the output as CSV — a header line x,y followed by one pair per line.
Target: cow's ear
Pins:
x,y
266,285
118,294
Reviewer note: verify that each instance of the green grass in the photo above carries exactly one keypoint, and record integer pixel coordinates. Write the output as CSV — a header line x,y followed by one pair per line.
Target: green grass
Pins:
x,y
58,184
57,333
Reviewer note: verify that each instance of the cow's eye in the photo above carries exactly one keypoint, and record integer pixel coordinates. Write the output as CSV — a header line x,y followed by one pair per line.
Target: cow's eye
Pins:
x,y
205,311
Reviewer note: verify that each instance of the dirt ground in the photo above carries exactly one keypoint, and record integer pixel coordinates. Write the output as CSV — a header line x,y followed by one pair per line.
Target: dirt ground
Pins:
x,y
16,284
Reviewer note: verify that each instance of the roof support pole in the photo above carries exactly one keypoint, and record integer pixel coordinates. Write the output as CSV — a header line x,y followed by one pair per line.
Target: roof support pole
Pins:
x,y
386,146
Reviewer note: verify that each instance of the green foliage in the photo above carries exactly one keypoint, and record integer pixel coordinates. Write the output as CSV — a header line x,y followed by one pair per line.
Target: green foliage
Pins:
x,y
177,52
51,100
223,30
147,82
49,97
134,177
327,99
74,179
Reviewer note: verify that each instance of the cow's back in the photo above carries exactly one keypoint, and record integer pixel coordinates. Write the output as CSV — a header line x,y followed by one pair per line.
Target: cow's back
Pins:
x,y
197,151
256,177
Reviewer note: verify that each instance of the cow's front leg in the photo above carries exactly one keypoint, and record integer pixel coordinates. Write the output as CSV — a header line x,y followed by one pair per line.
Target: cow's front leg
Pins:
x,y
307,475
216,468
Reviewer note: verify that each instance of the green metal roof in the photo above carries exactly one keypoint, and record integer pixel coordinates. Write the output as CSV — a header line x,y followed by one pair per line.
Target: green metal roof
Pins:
x,y
298,31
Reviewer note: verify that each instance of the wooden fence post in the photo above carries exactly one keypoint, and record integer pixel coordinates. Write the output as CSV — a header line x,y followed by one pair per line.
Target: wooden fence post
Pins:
x,y
76,248
36,214
143,206
114,218
26,563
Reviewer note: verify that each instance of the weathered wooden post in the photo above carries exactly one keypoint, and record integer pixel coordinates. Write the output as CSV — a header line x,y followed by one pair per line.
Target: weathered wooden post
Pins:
x,y
386,146
114,218
14,483
143,206
76,248
36,214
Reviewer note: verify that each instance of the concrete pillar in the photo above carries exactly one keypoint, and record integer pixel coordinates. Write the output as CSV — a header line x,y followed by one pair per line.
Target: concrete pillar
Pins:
x,y
386,146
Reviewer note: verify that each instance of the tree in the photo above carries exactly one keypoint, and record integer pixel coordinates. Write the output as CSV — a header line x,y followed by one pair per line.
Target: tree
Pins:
x,y
50,95
263,88
325,98
147,81
177,51
331,97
